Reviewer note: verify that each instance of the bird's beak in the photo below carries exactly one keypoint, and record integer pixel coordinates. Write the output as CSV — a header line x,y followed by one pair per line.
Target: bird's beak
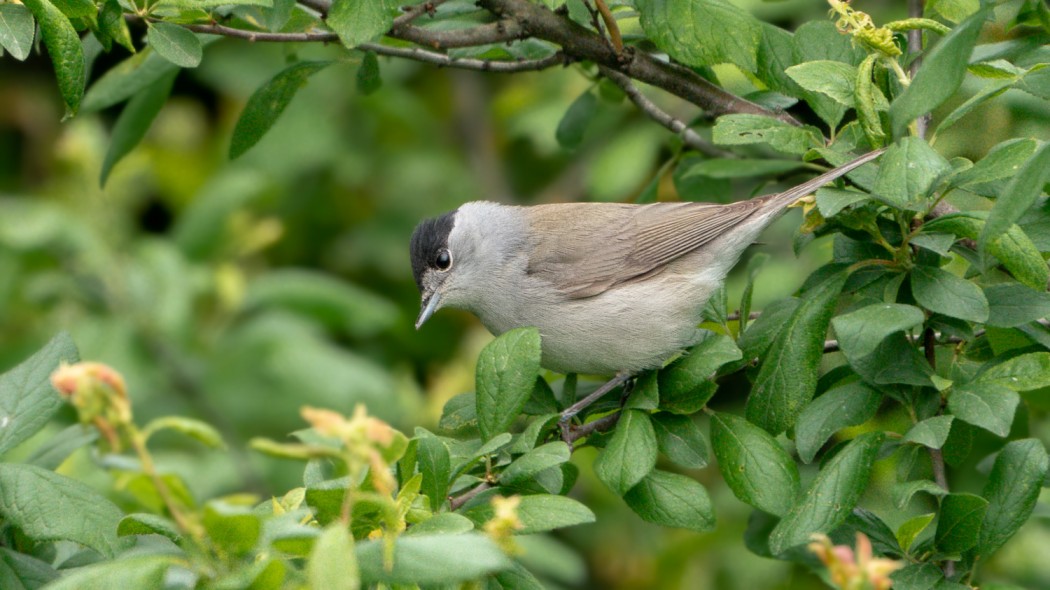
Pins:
x,y
430,305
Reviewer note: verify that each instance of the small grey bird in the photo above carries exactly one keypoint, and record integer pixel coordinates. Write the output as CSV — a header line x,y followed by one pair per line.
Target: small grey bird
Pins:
x,y
612,288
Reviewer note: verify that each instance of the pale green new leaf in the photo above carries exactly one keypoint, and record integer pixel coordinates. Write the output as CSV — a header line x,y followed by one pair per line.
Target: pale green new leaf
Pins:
x,y
702,33
16,30
176,44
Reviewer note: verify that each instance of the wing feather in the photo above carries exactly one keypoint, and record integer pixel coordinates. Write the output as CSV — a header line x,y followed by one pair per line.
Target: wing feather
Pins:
x,y
594,255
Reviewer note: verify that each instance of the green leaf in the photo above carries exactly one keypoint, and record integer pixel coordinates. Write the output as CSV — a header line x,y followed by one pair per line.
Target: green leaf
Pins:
x,y
903,492
113,27
528,465
940,75
360,21
140,571
934,242
788,376
895,361
630,454
679,438
134,122
742,129
831,78
847,405
988,405
443,523
232,527
954,10
1013,304
761,334
866,98
1021,373
910,529
820,40
931,432
176,44
127,79
431,559
908,172
990,91
673,500
434,464
577,119
50,507
679,382
27,400
59,447
19,571
148,524
268,102
1012,490
942,292
860,332
831,497
917,576
645,395
67,54
368,78
738,168
16,30
333,563
702,33
1018,196
506,374
960,522
754,465
540,513
515,578
198,430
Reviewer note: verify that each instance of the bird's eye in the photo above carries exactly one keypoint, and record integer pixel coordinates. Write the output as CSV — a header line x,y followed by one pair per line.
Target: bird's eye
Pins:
x,y
443,260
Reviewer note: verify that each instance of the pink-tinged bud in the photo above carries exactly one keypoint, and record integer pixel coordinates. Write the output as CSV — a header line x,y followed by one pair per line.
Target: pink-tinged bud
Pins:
x,y
68,379
849,569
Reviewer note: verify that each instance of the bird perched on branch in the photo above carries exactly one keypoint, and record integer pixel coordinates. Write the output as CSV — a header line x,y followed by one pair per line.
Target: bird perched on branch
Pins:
x,y
612,288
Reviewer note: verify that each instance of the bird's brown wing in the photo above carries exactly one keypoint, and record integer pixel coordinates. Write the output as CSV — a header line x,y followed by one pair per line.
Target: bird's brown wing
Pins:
x,y
585,248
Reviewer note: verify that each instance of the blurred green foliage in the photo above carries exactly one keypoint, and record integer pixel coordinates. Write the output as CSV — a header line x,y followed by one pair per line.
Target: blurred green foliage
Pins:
x,y
237,292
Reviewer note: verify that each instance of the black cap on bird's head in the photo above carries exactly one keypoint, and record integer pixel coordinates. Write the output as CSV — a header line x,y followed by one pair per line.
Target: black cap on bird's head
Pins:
x,y
428,250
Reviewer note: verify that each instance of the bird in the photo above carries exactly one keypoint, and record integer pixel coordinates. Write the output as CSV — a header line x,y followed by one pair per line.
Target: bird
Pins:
x,y
613,288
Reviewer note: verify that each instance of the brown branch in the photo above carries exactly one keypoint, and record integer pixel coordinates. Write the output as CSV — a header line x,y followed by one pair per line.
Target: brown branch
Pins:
x,y
411,13
520,19
263,36
413,53
455,502
586,45
501,31
689,137
572,433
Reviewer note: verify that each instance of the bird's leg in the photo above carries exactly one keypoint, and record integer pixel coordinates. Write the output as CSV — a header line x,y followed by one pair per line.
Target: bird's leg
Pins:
x,y
577,407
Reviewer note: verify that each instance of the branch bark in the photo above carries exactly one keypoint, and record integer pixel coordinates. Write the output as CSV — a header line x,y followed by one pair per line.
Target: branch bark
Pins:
x,y
583,44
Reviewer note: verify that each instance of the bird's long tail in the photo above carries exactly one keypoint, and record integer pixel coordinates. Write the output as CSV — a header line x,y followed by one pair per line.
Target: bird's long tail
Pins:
x,y
793,194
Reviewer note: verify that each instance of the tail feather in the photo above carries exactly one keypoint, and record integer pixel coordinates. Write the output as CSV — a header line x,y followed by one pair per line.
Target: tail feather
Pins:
x,y
793,194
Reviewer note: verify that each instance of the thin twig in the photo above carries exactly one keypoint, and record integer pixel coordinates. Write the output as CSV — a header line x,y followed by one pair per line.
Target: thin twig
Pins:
x,y
689,137
455,502
610,25
413,53
574,433
411,13
585,45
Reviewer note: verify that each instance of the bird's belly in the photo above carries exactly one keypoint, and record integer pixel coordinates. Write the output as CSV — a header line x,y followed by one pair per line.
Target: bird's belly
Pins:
x,y
629,328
